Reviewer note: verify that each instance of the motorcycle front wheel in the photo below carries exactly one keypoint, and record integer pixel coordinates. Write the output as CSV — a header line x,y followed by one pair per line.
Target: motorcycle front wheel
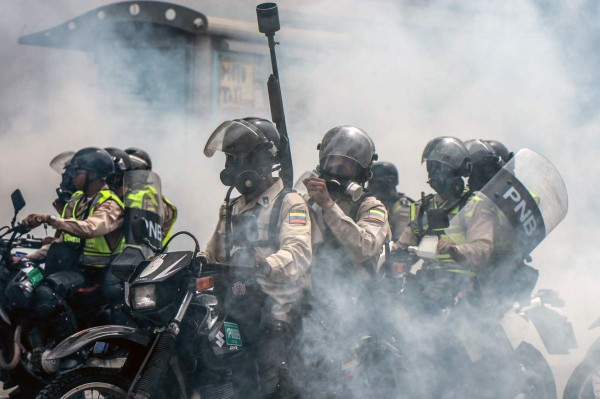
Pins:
x,y
84,383
538,380
584,383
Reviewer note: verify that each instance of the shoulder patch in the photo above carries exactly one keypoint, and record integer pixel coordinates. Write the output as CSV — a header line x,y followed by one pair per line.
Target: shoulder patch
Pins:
x,y
377,214
297,216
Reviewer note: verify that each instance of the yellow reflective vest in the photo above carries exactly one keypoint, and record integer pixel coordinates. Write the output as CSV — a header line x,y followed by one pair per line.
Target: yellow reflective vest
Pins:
x,y
452,233
96,250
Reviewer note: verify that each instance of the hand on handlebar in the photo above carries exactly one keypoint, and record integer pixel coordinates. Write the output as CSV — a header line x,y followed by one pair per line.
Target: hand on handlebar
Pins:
x,y
34,220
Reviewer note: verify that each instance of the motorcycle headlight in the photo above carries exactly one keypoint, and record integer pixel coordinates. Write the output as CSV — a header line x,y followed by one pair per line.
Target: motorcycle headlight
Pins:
x,y
143,296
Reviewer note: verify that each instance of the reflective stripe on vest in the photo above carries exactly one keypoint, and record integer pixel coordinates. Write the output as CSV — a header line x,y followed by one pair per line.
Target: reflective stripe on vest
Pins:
x,y
69,213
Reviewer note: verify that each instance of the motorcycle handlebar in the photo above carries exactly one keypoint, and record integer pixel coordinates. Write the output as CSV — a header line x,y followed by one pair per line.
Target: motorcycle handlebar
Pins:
x,y
23,242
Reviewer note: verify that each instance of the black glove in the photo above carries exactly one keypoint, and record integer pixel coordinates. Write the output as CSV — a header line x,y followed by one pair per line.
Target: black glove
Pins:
x,y
263,268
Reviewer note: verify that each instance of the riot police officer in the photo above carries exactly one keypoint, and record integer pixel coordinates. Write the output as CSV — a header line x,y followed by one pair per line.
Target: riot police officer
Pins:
x,y
91,236
486,163
267,227
353,222
463,246
383,185
353,226
504,278
140,160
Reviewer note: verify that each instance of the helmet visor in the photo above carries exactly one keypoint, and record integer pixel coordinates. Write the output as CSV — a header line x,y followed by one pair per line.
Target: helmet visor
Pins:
x,y
356,146
59,162
339,166
446,150
237,138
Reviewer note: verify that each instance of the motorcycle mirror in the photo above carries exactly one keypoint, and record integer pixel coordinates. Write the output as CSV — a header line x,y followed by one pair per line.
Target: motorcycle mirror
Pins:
x,y
17,200
437,218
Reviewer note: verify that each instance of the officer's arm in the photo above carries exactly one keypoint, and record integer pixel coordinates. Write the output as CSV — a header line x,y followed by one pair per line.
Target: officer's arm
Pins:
x,y
39,255
479,237
294,255
106,218
215,247
366,237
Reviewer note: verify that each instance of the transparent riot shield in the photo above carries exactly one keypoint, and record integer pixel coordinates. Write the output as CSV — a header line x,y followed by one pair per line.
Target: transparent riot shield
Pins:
x,y
528,198
143,209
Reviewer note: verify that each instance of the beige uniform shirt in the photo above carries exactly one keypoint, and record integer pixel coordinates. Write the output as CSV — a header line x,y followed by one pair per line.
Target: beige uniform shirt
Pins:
x,y
107,220
365,237
475,222
289,262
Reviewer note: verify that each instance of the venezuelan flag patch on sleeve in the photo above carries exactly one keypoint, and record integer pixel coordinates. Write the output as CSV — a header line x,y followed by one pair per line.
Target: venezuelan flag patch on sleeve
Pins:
x,y
297,216
377,214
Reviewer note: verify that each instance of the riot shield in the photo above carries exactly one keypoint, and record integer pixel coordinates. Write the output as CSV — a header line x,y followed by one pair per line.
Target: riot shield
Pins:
x,y
528,198
143,209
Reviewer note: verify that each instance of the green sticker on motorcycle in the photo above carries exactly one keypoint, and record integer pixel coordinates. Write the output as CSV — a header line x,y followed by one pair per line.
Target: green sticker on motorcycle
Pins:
x,y
232,334
35,276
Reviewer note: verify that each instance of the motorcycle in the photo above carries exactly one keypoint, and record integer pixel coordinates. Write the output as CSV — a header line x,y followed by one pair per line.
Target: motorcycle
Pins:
x,y
490,318
584,382
517,335
184,342
24,339
17,280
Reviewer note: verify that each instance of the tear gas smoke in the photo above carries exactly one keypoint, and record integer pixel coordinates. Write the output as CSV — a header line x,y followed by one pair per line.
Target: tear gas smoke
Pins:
x,y
519,72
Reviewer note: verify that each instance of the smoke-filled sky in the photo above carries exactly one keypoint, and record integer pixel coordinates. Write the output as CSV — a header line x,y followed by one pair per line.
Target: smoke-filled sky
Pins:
x,y
522,72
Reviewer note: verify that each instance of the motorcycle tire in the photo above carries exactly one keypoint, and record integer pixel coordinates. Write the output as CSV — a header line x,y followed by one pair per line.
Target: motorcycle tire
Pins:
x,y
107,382
584,382
539,379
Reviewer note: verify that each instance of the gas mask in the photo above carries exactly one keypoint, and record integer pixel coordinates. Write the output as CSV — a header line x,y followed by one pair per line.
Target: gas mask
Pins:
x,y
337,187
444,179
446,185
244,176
67,187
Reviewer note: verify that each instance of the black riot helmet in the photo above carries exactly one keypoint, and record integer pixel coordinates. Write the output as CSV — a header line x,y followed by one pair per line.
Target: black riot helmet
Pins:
x,y
92,159
122,164
346,153
384,180
251,146
500,150
448,162
486,163
140,160
120,159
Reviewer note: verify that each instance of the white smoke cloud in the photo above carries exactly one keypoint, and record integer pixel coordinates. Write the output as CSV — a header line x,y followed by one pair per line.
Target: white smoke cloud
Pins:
x,y
514,71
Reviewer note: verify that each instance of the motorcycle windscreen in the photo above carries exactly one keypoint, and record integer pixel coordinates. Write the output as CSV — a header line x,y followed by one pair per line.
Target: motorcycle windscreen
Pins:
x,y
59,162
143,208
527,195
